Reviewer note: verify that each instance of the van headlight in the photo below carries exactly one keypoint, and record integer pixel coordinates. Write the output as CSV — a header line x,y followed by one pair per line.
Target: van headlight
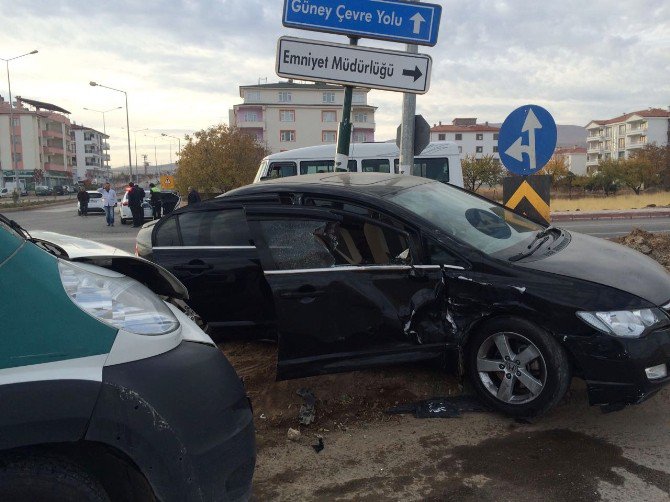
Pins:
x,y
117,300
625,323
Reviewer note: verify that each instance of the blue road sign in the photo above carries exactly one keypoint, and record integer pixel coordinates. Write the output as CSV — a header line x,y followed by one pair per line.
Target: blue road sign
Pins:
x,y
394,20
527,139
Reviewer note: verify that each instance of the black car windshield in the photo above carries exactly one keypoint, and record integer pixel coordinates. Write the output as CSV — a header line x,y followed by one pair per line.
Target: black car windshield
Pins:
x,y
481,224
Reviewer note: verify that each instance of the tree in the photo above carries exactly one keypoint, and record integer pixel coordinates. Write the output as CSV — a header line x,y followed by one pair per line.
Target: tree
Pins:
x,y
607,177
638,172
659,159
218,159
557,168
477,172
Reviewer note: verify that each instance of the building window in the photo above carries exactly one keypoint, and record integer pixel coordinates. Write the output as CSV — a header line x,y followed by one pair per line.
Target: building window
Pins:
x,y
285,97
286,136
622,155
441,137
495,149
286,115
358,98
495,136
622,129
328,136
360,137
622,143
18,157
252,96
480,149
459,136
328,116
328,97
480,137
251,116
360,117
16,121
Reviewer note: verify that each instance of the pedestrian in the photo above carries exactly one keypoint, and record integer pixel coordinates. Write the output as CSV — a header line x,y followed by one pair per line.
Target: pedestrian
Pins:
x,y
193,196
156,201
108,202
135,199
83,197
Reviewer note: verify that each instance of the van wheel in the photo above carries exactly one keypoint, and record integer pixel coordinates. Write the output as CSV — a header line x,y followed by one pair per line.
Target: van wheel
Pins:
x,y
48,478
517,367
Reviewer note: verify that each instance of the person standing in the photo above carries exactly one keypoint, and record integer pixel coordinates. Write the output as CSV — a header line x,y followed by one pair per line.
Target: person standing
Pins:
x,y
108,202
135,199
83,197
155,200
193,196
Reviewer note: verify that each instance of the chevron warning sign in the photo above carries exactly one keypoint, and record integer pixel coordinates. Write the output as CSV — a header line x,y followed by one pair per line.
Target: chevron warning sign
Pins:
x,y
528,195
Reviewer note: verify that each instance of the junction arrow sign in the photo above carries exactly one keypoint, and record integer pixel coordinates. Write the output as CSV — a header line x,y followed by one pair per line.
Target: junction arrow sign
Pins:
x,y
352,65
393,20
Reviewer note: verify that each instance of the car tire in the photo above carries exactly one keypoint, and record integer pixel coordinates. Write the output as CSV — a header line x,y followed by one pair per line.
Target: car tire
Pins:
x,y
48,478
517,367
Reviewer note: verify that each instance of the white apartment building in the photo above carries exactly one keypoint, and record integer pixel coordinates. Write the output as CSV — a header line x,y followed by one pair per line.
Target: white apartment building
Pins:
x,y
472,138
619,137
289,115
89,156
41,143
575,158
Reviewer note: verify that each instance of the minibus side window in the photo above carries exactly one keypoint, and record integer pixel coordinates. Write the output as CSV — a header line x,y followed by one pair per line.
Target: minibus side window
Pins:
x,y
282,169
432,168
376,166
316,166
352,167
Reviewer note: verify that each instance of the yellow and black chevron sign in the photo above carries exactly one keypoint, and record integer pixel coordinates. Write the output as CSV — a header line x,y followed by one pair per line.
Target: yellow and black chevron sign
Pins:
x,y
528,195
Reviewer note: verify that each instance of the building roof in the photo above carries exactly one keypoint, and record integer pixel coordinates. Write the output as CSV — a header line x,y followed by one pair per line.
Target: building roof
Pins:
x,y
568,150
42,105
294,85
80,127
648,113
458,128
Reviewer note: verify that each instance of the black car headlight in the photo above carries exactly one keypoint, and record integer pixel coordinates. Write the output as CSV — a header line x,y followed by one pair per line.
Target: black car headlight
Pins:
x,y
625,323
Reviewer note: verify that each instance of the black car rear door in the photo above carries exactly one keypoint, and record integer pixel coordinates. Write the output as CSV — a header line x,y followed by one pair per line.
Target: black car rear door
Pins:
x,y
345,290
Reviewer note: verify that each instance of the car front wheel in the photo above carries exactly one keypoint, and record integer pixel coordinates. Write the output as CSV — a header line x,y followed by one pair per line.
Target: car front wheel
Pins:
x,y
517,367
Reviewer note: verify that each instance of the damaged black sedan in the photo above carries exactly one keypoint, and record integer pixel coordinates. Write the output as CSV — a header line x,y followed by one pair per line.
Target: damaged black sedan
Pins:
x,y
355,271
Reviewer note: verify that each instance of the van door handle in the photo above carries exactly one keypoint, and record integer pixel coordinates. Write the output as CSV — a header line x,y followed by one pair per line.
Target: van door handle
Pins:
x,y
194,266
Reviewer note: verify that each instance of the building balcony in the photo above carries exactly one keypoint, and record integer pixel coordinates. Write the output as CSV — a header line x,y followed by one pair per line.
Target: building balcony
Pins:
x,y
640,143
255,124
363,124
638,131
105,145
595,148
53,150
48,133
105,157
52,166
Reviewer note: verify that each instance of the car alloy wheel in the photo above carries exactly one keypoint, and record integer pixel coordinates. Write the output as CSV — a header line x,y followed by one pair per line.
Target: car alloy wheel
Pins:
x,y
511,368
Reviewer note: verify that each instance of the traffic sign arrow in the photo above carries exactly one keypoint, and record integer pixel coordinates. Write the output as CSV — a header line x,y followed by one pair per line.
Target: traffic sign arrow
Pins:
x,y
517,149
416,73
418,19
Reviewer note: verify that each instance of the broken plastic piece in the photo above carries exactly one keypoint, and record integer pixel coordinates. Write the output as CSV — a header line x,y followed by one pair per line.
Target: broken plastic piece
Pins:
x,y
307,413
439,407
319,446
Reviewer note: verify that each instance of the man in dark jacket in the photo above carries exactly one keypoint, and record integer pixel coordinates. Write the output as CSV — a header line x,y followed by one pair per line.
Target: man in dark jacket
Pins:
x,y
135,199
83,197
193,196
155,201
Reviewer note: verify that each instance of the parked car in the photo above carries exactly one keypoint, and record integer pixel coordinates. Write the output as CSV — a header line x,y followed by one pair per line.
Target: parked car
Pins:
x,y
103,381
359,270
43,190
8,189
95,203
58,190
171,201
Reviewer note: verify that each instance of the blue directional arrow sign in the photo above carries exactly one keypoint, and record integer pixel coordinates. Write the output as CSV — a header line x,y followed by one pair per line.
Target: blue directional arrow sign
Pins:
x,y
527,139
393,20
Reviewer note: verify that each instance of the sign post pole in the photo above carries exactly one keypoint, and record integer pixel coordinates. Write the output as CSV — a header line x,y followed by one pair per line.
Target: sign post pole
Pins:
x,y
344,129
407,130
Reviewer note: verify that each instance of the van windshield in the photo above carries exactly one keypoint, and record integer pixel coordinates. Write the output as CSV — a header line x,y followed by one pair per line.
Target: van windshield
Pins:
x,y
481,224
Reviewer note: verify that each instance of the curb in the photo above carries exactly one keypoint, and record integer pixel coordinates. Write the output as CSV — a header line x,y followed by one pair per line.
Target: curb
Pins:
x,y
613,216
40,206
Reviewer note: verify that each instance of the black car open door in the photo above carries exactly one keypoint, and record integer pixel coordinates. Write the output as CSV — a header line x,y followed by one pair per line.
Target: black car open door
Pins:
x,y
343,288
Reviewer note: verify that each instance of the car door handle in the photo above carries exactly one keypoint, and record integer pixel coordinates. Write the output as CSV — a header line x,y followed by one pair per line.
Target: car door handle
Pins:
x,y
312,293
194,267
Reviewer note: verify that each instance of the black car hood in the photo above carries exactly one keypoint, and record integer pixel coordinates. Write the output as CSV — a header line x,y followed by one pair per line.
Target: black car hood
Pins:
x,y
604,262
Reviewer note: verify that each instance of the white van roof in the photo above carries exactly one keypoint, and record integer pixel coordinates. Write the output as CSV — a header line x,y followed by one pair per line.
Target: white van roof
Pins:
x,y
362,150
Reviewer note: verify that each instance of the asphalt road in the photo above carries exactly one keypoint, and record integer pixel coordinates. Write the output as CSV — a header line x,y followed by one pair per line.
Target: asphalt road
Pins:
x,y
64,219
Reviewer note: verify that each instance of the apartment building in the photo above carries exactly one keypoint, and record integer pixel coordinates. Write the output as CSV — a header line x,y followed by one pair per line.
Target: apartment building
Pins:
x,y
288,115
574,157
41,133
90,157
472,138
619,137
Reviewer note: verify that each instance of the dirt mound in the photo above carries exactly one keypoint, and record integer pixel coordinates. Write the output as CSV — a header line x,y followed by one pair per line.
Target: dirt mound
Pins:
x,y
654,245
341,399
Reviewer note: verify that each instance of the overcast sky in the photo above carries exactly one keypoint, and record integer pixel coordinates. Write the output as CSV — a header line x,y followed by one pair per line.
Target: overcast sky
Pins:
x,y
182,62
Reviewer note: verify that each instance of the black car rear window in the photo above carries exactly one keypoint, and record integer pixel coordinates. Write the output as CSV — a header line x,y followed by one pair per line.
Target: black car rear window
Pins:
x,y
227,227
168,233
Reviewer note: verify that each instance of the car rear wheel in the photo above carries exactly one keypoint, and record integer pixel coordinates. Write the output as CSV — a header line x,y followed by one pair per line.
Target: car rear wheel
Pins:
x,y
48,478
517,367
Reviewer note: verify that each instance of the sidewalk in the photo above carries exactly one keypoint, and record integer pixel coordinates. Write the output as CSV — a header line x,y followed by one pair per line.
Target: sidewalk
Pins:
x,y
612,214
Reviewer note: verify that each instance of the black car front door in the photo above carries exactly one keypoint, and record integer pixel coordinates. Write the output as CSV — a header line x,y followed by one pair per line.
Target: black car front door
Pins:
x,y
346,290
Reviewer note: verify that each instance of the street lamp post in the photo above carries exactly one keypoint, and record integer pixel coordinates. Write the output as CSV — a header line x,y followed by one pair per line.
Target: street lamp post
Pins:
x,y
130,158
156,156
137,165
14,163
173,137
104,125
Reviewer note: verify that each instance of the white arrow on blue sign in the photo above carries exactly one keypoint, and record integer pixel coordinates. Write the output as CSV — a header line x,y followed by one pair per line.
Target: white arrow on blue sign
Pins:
x,y
393,20
527,139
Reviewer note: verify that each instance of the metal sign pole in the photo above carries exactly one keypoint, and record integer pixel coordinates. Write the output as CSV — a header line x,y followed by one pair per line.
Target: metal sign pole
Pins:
x,y
344,129
407,129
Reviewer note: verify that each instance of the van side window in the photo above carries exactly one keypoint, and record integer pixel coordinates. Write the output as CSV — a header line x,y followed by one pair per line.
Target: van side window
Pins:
x,y
224,227
282,169
439,255
376,166
316,166
168,233
351,166
432,168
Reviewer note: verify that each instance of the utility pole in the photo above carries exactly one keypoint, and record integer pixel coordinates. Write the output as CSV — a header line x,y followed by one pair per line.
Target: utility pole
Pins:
x,y
407,130
344,129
